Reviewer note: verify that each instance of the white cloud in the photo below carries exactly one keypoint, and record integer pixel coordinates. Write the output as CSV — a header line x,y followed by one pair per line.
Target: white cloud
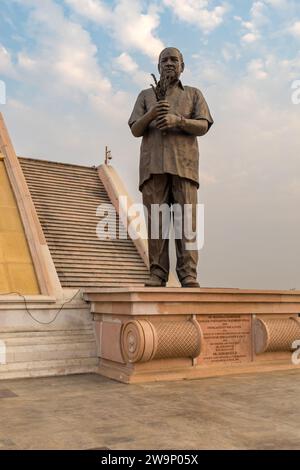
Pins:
x,y
204,71
135,29
295,29
278,3
230,51
127,22
125,63
91,9
258,18
64,61
256,68
250,37
197,12
25,62
259,14
6,65
67,109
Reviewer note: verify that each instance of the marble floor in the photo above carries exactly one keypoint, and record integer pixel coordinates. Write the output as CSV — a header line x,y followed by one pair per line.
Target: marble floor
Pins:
x,y
88,411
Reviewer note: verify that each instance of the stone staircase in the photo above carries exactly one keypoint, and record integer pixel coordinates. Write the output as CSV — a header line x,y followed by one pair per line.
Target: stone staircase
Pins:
x,y
66,198
45,353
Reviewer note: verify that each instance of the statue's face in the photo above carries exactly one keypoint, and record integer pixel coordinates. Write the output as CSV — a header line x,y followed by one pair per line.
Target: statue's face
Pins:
x,y
170,62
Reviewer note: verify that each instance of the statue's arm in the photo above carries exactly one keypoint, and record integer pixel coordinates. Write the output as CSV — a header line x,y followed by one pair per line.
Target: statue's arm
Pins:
x,y
139,127
140,118
196,127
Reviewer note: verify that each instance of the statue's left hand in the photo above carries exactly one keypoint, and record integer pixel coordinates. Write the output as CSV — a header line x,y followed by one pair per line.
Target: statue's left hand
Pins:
x,y
168,121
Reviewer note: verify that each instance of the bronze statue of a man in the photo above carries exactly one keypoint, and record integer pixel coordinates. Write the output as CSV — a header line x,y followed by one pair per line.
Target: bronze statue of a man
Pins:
x,y
169,160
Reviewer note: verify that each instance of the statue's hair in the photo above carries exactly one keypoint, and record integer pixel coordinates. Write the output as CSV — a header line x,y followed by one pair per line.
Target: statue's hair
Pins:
x,y
175,48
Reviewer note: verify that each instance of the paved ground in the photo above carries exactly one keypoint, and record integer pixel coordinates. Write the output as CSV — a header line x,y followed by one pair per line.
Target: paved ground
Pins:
x,y
88,411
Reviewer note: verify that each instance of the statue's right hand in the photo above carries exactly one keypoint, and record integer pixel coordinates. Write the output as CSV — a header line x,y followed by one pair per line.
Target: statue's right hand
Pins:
x,y
160,109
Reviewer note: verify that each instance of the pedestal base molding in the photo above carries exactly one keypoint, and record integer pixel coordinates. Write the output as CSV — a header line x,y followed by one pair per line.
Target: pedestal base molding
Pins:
x,y
170,334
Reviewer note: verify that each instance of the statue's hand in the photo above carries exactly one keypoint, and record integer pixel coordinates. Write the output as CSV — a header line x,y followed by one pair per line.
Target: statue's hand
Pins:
x,y
161,108
168,121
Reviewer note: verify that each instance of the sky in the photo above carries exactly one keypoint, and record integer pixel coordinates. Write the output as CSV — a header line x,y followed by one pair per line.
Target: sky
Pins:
x,y
74,68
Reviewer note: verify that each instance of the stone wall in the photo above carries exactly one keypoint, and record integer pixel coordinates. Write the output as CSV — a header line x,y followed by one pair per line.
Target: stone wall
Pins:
x,y
33,345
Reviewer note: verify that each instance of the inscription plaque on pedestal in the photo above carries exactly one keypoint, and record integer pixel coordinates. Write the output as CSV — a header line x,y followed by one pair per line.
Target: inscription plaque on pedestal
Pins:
x,y
226,339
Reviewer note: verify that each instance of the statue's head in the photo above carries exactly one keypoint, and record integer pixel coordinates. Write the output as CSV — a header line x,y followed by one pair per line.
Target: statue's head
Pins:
x,y
171,61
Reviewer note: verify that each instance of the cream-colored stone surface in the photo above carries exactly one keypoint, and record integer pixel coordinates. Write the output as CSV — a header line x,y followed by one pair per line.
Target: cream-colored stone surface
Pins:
x,y
90,412
46,342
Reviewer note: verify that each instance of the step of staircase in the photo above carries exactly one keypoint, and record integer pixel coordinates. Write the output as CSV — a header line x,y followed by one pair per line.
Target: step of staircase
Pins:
x,y
40,354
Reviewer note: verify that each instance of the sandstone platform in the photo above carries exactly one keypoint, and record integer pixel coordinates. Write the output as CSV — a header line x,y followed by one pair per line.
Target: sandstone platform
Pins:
x,y
153,334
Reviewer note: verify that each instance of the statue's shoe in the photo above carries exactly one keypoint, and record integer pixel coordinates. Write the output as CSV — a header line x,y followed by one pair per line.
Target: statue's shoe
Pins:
x,y
155,281
189,281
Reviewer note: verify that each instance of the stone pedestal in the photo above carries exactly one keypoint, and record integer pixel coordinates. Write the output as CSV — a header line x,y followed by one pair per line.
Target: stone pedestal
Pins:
x,y
148,334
